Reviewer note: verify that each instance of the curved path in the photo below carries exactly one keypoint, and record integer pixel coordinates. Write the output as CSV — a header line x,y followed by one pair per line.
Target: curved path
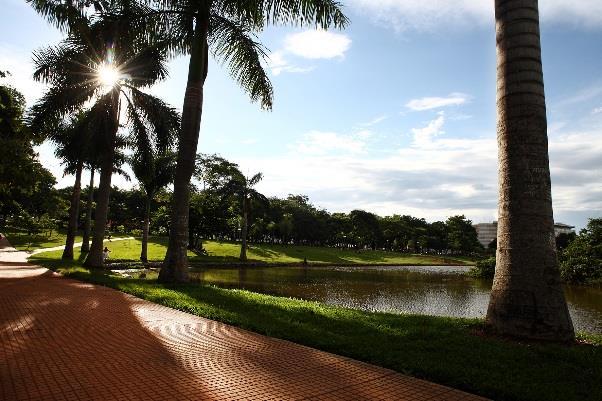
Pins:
x,y
62,339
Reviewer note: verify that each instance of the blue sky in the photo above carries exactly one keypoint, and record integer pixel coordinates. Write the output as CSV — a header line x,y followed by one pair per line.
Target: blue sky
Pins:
x,y
396,114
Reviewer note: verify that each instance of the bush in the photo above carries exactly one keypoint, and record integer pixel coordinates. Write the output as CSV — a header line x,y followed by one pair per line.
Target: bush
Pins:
x,y
485,268
581,261
136,232
581,269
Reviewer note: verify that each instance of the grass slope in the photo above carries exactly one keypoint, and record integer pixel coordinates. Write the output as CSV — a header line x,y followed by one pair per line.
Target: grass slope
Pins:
x,y
21,241
228,252
444,350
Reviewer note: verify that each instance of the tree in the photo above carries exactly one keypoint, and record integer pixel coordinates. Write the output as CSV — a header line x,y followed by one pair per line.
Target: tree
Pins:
x,y
228,28
461,235
88,219
226,179
242,187
154,171
26,187
366,230
71,142
581,261
527,298
121,65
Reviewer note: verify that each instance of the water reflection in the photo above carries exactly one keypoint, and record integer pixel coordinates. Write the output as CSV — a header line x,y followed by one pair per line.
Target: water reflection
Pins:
x,y
430,290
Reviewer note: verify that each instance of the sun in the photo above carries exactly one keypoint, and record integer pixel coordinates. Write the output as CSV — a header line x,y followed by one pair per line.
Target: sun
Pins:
x,y
108,75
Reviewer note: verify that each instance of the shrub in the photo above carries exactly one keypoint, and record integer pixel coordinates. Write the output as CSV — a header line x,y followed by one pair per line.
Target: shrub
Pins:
x,y
581,261
136,232
581,269
485,268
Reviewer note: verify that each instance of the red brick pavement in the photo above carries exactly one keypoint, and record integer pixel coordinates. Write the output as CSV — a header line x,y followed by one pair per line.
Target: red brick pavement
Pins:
x,y
62,339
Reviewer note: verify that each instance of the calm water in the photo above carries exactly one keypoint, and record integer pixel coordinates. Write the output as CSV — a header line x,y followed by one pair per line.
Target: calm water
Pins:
x,y
436,290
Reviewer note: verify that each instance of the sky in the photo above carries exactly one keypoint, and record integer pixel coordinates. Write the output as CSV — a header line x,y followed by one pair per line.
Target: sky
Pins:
x,y
394,115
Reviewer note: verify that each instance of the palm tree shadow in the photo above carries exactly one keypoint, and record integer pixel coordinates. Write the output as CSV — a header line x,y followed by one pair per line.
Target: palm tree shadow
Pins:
x,y
87,338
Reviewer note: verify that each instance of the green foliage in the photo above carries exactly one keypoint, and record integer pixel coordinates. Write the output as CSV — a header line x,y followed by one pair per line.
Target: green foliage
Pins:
x,y
26,187
484,268
448,351
461,235
563,240
581,261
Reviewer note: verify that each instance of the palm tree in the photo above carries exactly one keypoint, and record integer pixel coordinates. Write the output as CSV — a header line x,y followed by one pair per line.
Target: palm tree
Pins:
x,y
118,161
71,144
527,298
227,28
154,171
103,64
88,219
242,188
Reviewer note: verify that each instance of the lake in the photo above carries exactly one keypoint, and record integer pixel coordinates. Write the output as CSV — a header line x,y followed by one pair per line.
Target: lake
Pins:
x,y
428,290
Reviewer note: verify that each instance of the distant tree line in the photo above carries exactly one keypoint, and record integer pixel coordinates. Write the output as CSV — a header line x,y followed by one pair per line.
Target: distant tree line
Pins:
x,y
222,196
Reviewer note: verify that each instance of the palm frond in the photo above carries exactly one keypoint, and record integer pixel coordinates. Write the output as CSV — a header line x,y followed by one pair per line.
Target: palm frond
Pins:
x,y
164,119
251,182
232,43
65,15
57,103
139,137
319,13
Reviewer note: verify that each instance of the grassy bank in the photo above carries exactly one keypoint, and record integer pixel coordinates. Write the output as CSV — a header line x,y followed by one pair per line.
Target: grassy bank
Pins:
x,y
445,350
228,252
22,241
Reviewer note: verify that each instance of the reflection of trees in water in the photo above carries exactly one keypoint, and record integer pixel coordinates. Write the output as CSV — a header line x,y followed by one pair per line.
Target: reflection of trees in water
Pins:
x,y
389,290
584,297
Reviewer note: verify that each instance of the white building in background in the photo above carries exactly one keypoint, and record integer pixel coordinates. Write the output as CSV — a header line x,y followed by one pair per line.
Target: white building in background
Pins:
x,y
487,232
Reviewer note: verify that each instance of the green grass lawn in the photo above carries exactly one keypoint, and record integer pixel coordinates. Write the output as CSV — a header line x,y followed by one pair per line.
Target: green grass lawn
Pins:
x,y
227,252
21,241
449,351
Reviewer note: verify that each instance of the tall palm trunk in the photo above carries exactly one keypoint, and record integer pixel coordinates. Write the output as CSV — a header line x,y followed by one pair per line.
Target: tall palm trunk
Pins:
x,y
526,299
245,227
94,259
73,213
88,222
145,229
175,265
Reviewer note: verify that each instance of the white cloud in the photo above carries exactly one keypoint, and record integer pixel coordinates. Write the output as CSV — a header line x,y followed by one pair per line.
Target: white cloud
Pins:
x,y
374,121
317,44
429,103
278,64
322,143
423,137
310,44
583,95
597,110
430,15
435,177
364,134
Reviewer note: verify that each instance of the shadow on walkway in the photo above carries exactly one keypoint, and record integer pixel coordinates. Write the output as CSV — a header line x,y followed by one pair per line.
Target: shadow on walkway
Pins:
x,y
65,339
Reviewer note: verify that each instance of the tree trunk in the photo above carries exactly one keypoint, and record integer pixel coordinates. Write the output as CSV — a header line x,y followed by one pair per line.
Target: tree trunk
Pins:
x,y
145,229
88,222
175,265
526,299
94,259
73,214
245,223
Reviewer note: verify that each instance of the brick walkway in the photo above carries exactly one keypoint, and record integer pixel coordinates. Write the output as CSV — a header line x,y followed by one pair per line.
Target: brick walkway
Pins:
x,y
62,339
